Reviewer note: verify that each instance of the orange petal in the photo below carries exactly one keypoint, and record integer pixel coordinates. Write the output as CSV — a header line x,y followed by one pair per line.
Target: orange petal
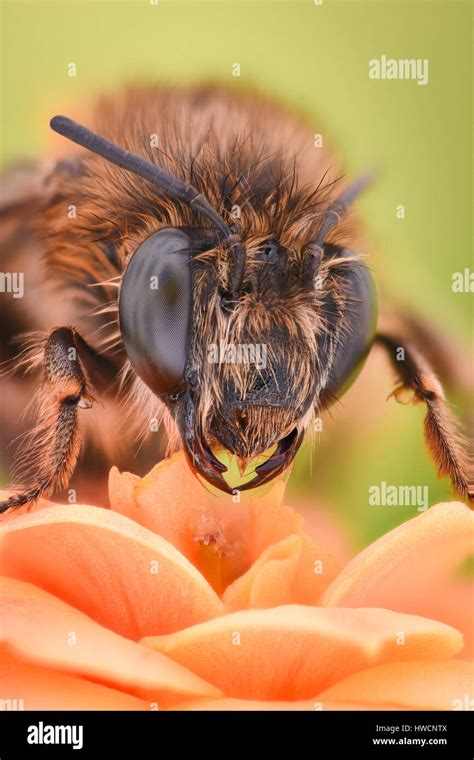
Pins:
x,y
173,503
244,704
411,569
408,686
45,689
455,607
121,495
269,581
271,523
169,482
167,501
316,569
115,571
292,652
45,631
310,705
325,528
293,570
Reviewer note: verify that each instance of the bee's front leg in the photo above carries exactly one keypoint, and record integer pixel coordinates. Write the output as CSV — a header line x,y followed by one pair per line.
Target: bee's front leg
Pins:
x,y
47,455
445,443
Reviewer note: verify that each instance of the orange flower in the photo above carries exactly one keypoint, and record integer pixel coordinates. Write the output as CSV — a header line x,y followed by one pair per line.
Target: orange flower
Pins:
x,y
179,599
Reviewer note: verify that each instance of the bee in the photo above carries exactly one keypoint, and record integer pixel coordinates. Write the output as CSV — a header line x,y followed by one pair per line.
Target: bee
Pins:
x,y
205,219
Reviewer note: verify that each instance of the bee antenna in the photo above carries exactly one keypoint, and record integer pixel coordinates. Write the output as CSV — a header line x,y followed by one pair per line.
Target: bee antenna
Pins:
x,y
334,213
133,163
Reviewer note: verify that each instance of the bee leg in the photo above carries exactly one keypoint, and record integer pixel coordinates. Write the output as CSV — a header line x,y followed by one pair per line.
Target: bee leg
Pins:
x,y
444,441
47,455
444,354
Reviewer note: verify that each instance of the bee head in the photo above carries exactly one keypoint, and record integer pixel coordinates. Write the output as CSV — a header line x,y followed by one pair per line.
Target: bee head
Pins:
x,y
245,371
243,339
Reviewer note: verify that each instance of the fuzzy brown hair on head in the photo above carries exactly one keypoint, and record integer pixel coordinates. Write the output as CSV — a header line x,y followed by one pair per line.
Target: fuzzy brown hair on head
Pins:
x,y
260,169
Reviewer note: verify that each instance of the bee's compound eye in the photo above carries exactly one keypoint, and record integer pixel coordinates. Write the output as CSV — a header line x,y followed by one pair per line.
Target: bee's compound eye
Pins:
x,y
358,335
155,307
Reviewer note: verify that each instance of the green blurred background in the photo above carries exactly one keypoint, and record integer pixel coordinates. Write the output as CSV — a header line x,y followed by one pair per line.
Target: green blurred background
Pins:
x,y
313,58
